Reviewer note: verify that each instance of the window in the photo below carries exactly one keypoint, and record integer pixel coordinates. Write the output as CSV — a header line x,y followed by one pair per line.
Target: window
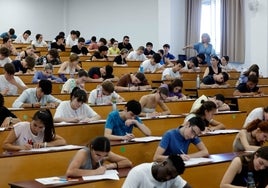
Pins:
x,y
210,22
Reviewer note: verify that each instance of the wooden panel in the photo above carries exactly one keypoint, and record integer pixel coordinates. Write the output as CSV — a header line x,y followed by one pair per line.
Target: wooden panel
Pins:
x,y
249,103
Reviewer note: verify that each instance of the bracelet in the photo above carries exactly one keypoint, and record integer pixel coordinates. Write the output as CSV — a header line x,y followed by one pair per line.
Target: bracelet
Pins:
x,y
45,144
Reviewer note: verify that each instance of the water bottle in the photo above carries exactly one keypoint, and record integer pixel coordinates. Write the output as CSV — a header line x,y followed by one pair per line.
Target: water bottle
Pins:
x,y
44,61
113,100
141,69
198,81
250,181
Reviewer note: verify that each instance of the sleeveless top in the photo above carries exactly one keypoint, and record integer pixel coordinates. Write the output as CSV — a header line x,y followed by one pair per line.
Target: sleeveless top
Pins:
x,y
211,71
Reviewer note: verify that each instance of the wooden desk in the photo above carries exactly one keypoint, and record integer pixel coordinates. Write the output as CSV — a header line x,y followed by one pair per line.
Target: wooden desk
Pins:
x,y
249,103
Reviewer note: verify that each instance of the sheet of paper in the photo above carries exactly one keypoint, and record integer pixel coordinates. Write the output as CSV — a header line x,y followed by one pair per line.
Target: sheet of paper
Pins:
x,y
225,131
146,139
51,180
109,174
195,161
56,148
2,128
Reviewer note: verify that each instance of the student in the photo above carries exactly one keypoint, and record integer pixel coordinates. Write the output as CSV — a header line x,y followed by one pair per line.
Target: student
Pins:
x,y
152,65
149,103
176,141
257,113
72,39
71,83
173,72
95,159
137,55
132,82
7,118
249,88
99,74
51,57
30,51
80,48
4,56
166,48
39,42
101,54
46,74
37,97
161,175
24,38
191,65
125,44
252,137
215,81
224,64
214,68
174,90
119,125
148,51
103,94
114,50
7,42
120,60
59,43
206,111
75,110
237,173
10,34
24,66
10,84
252,70
218,99
39,133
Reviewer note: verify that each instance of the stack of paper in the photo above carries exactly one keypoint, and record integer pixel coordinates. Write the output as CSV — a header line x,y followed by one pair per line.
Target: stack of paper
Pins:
x,y
56,148
195,161
51,180
146,139
225,131
109,174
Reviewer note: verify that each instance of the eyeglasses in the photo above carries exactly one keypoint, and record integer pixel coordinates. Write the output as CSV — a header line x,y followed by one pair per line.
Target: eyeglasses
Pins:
x,y
193,132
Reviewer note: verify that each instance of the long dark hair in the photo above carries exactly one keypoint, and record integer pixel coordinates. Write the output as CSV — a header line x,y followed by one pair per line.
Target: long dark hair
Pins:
x,y
46,118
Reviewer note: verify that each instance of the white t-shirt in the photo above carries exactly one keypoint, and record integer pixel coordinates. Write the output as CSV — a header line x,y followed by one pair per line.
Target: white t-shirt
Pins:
x,y
13,90
147,66
24,134
256,113
20,39
134,56
5,61
169,71
97,98
70,42
68,86
65,110
141,177
197,103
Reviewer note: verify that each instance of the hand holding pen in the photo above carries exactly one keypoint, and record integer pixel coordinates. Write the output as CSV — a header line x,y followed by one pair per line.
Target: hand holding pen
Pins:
x,y
101,169
184,156
128,137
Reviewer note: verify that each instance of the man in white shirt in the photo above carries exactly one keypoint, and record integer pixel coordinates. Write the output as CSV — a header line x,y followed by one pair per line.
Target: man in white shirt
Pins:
x,y
173,72
4,56
24,38
161,175
257,113
152,65
137,55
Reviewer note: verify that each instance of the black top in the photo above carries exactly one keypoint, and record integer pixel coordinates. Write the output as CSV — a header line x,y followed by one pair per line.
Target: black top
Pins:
x,y
95,73
97,55
118,59
55,45
76,50
4,113
121,45
146,52
18,66
243,88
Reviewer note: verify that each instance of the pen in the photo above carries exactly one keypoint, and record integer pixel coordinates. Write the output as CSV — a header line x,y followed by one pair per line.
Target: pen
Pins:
x,y
100,163
182,152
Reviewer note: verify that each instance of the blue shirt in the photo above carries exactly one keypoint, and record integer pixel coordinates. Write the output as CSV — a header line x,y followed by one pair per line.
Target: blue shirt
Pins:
x,y
40,76
173,142
208,51
117,125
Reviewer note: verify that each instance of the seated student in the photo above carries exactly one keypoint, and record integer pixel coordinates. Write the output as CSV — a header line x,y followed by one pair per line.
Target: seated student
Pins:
x,y
206,111
201,59
218,99
99,74
149,103
252,137
164,60
173,72
71,83
10,84
24,66
7,118
224,64
75,110
30,51
10,34
4,56
80,48
191,65
69,67
152,65
214,68
119,125
166,48
39,41
137,55
39,133
7,42
72,39
120,60
114,50
24,38
103,94
215,81
252,70
237,173
132,82
249,88
257,113
92,159
148,51
46,74
52,57
37,97
59,43
176,141
125,44
174,90
101,54
163,174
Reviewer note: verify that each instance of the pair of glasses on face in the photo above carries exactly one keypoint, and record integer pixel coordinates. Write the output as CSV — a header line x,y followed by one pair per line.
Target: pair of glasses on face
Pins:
x,y
194,132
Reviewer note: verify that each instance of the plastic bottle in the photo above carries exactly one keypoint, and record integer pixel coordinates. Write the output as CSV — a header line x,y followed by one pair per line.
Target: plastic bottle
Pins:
x,y
141,69
251,181
44,61
113,100
198,81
